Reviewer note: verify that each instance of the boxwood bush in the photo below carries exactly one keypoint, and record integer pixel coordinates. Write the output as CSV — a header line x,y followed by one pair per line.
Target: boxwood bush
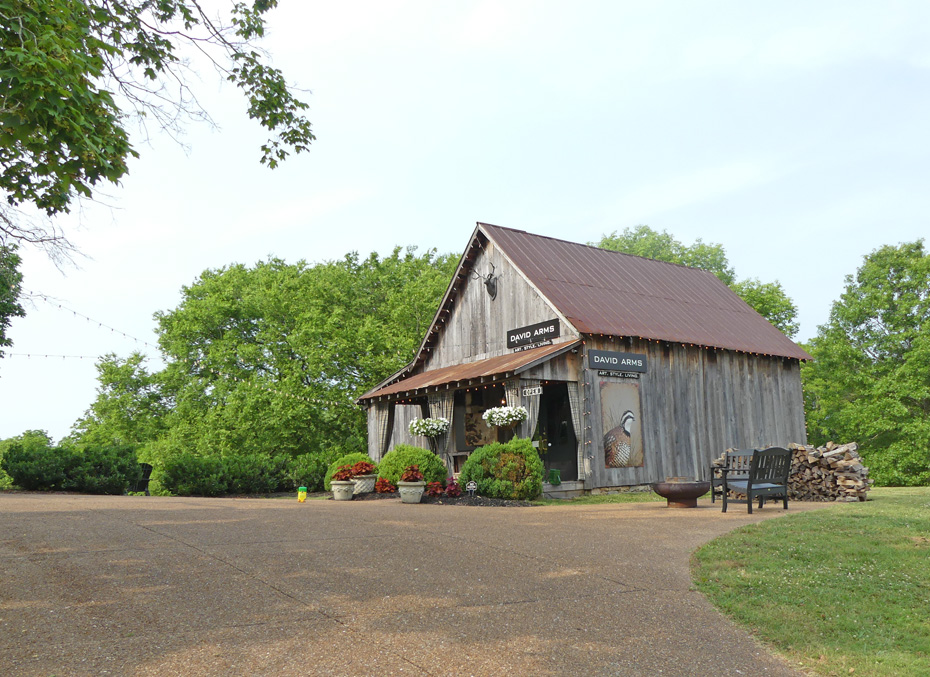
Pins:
x,y
309,470
186,474
95,470
255,473
345,459
394,462
38,467
510,471
103,470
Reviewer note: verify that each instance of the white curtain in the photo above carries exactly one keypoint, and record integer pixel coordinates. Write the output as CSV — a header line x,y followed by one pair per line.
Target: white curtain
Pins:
x,y
385,426
574,401
528,427
512,392
440,406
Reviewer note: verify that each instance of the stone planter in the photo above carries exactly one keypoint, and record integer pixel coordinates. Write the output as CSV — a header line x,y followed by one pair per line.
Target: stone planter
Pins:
x,y
411,492
364,484
343,490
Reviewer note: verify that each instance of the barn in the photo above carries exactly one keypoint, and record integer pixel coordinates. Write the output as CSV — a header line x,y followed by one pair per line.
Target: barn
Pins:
x,y
632,370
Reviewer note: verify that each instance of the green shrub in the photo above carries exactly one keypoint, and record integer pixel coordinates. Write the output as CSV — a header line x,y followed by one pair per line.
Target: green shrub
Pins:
x,y
37,467
254,473
309,470
5,480
103,470
511,471
34,465
188,475
347,459
394,462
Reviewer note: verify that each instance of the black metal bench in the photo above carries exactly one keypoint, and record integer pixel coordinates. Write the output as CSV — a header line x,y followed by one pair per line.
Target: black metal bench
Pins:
x,y
142,484
736,467
767,478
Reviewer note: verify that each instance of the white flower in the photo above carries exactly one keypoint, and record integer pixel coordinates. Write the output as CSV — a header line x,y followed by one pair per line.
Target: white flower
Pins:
x,y
504,415
429,427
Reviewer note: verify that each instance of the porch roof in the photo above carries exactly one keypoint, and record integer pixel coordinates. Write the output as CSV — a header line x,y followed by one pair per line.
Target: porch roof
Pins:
x,y
485,371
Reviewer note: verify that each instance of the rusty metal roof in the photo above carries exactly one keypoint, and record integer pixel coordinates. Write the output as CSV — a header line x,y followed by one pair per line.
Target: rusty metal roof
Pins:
x,y
503,366
606,292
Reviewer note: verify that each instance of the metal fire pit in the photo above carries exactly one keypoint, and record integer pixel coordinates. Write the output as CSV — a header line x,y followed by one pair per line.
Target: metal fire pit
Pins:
x,y
681,492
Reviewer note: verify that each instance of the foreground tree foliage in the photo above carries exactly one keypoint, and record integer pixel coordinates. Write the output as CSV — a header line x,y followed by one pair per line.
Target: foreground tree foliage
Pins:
x,y
269,359
768,299
10,290
75,75
870,379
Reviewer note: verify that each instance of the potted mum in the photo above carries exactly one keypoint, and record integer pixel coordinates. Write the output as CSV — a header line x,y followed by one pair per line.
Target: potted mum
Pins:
x,y
411,484
504,416
342,484
363,476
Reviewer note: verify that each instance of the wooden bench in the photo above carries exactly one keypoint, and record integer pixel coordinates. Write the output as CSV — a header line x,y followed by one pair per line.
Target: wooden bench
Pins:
x,y
767,478
736,468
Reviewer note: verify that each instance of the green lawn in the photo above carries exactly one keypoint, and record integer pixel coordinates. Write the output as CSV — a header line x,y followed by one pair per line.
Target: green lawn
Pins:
x,y
844,590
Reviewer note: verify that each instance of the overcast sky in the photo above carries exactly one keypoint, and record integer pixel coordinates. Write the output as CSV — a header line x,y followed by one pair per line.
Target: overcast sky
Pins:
x,y
795,134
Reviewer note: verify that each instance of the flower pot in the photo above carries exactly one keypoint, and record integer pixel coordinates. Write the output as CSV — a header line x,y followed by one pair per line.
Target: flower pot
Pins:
x,y
364,484
411,492
343,490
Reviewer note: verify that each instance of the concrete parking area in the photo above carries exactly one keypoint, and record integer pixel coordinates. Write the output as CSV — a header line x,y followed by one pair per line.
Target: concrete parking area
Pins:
x,y
96,585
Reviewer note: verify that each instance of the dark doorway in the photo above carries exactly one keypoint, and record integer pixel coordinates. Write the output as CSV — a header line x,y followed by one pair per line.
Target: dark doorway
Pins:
x,y
556,432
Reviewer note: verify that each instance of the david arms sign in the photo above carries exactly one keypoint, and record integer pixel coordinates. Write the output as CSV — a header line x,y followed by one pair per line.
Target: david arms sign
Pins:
x,y
542,332
606,360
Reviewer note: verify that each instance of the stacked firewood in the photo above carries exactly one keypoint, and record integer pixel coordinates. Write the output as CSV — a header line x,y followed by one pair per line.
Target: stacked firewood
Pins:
x,y
833,472
830,473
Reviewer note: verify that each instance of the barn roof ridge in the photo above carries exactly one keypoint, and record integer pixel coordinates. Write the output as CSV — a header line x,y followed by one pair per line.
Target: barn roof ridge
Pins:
x,y
593,246
669,302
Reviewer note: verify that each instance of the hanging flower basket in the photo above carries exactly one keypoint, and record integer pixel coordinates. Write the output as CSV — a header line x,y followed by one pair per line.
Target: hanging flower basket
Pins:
x,y
504,416
429,427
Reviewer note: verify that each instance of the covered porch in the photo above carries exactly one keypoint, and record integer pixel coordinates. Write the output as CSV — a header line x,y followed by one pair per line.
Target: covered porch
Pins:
x,y
544,380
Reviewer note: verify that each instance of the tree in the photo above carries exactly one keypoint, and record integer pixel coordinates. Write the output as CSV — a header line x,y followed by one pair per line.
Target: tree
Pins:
x,y
71,72
767,299
10,289
270,358
771,302
130,407
648,243
870,378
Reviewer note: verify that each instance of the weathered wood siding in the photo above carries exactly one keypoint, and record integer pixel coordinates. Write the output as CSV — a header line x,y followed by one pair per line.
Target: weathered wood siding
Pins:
x,y
403,415
695,404
373,451
566,367
477,327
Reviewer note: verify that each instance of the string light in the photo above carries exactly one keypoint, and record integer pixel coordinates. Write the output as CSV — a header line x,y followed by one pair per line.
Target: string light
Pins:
x,y
197,363
64,357
99,324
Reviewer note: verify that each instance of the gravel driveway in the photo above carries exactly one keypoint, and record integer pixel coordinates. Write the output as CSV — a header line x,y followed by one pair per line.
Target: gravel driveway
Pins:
x,y
96,585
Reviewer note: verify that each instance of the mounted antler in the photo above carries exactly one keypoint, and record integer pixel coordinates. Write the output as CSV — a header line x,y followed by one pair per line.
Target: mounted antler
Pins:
x,y
490,281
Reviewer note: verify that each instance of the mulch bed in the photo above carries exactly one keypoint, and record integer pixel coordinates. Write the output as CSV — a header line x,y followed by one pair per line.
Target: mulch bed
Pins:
x,y
465,499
